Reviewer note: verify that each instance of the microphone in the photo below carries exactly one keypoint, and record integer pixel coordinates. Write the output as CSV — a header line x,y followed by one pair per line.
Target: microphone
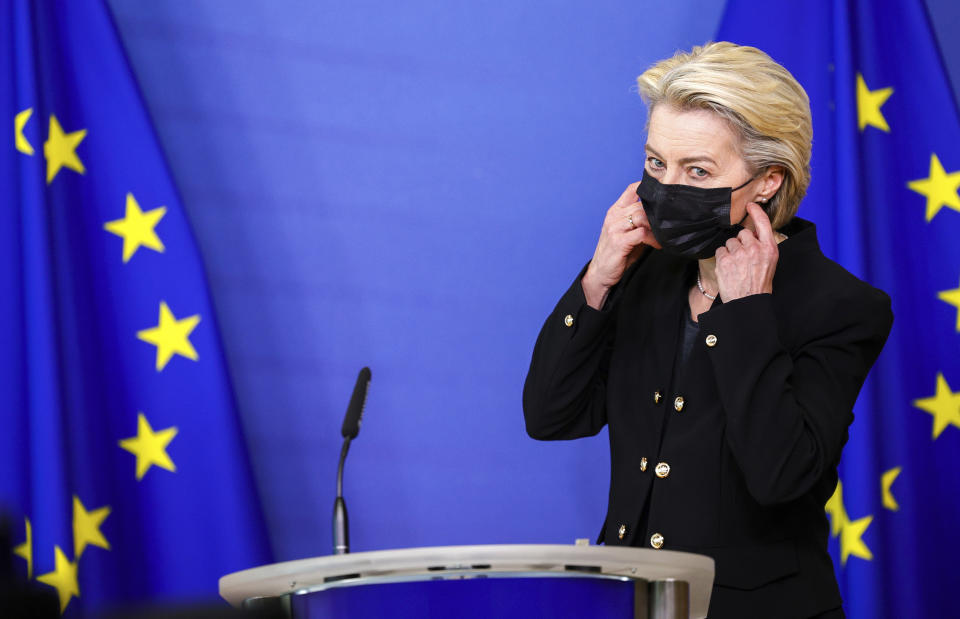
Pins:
x,y
349,430
351,421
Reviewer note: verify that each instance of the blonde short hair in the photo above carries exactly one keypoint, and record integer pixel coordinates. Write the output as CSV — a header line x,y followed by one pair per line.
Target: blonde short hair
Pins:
x,y
765,106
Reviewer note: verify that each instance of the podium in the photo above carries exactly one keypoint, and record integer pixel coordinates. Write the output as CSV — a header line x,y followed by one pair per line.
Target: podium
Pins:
x,y
482,581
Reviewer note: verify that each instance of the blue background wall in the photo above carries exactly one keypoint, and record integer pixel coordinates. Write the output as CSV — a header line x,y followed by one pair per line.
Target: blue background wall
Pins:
x,y
409,187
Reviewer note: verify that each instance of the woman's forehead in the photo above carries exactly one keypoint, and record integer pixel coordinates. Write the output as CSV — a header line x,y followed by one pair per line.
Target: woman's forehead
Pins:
x,y
681,134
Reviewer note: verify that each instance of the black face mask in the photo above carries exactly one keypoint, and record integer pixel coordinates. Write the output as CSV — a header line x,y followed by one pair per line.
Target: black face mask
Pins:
x,y
689,221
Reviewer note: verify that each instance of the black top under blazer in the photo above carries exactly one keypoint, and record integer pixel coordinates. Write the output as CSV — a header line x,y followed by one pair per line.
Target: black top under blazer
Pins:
x,y
751,430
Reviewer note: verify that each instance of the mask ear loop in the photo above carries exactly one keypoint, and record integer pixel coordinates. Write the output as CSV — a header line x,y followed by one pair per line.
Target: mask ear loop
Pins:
x,y
749,180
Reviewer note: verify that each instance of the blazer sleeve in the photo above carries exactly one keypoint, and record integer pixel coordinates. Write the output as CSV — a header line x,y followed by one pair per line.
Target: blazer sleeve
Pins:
x,y
564,395
788,414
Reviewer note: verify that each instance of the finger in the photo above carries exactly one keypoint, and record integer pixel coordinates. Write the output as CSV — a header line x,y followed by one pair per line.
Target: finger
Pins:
x,y
733,245
640,215
720,254
635,214
641,236
762,223
629,196
634,218
746,237
615,218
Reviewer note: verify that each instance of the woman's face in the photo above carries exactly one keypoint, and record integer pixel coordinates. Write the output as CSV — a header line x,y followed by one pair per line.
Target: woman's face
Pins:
x,y
697,147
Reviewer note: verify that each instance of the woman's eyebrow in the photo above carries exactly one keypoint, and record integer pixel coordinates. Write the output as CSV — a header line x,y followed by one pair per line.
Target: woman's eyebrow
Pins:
x,y
698,159
685,160
650,150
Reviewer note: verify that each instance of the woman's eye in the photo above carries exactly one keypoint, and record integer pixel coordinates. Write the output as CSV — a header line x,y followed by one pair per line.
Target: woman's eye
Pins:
x,y
655,163
700,172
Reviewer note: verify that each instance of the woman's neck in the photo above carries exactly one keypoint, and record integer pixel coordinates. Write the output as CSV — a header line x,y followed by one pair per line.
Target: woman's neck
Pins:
x,y
708,275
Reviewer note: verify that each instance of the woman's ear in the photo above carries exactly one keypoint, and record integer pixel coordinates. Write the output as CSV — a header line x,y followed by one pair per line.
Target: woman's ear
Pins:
x,y
772,179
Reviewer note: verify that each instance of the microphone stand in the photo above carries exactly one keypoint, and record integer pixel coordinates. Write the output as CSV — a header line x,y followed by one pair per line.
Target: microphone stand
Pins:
x,y
349,430
341,530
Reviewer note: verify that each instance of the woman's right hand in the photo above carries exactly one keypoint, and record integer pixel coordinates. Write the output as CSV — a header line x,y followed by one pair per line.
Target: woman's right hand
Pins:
x,y
623,239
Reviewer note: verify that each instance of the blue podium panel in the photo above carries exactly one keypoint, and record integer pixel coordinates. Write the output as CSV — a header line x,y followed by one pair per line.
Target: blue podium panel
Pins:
x,y
554,597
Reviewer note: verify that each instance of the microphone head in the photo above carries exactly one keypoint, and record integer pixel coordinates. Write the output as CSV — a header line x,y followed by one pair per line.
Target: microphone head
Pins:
x,y
351,422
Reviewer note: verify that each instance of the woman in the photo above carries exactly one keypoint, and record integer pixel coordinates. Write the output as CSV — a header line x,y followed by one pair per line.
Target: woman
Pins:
x,y
721,348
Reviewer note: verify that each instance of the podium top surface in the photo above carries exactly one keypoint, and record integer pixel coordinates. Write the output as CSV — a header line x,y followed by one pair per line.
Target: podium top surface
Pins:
x,y
320,573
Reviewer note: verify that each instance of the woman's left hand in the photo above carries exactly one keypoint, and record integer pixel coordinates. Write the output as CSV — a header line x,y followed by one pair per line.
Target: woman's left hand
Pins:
x,y
747,263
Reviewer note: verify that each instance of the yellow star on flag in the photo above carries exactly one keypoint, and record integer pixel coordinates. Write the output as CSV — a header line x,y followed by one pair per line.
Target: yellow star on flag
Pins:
x,y
86,527
944,406
836,510
150,447
850,532
63,578
851,540
939,188
19,140
25,549
953,298
886,480
868,105
171,336
137,228
60,149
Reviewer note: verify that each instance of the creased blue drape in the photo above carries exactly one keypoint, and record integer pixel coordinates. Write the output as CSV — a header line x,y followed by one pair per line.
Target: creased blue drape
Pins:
x,y
124,468
886,168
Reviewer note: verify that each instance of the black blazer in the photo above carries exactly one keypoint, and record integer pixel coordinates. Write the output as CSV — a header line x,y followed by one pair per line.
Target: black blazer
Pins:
x,y
736,457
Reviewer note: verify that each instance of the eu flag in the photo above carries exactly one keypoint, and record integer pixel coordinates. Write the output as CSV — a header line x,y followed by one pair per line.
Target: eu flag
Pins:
x,y
885,174
123,462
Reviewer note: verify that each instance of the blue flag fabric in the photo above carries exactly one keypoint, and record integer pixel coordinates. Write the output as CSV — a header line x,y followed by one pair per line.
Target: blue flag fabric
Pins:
x,y
885,174
123,463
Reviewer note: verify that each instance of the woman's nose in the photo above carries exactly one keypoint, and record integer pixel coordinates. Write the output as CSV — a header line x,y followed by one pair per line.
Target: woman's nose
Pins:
x,y
673,176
